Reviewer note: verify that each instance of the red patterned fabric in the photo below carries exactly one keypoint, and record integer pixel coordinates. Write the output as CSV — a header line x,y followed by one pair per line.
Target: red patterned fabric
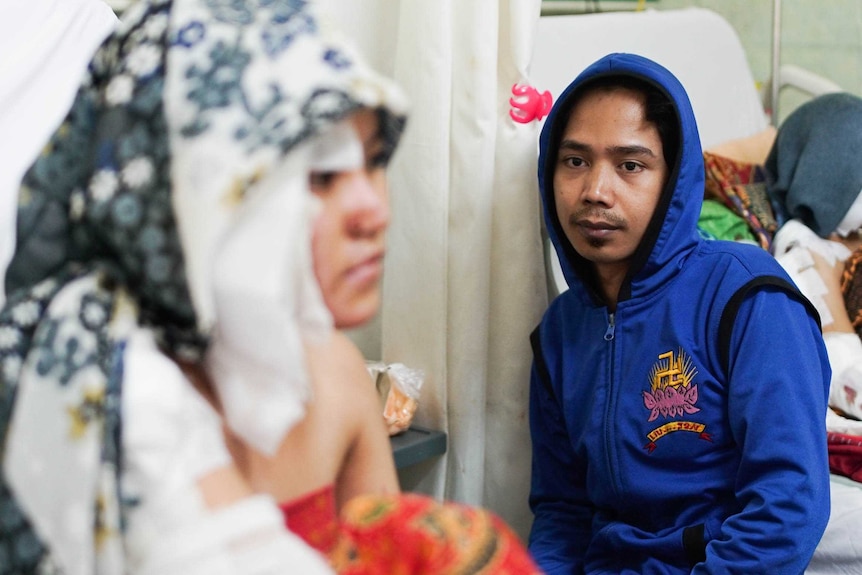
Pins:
x,y
845,455
407,534
412,534
313,518
742,188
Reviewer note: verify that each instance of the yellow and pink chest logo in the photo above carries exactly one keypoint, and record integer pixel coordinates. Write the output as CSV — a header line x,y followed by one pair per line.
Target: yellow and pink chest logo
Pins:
x,y
672,396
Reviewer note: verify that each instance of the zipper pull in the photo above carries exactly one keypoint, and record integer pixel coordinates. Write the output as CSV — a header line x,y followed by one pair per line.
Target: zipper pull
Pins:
x,y
609,333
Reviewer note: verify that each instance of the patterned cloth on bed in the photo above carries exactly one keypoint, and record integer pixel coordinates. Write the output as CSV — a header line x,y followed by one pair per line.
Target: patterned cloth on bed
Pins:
x,y
409,533
742,188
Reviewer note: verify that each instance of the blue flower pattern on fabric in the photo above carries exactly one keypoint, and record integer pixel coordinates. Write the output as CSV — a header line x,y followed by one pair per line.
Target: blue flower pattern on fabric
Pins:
x,y
190,34
125,189
336,59
288,21
102,195
20,549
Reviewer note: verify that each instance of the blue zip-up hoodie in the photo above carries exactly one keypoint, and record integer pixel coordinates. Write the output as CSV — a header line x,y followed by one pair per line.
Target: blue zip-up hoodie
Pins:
x,y
685,432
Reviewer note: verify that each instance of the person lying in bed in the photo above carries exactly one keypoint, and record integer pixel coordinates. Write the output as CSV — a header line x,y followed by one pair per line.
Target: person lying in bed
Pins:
x,y
814,180
797,190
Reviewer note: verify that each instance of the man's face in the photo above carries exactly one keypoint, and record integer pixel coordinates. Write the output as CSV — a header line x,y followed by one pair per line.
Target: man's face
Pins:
x,y
609,175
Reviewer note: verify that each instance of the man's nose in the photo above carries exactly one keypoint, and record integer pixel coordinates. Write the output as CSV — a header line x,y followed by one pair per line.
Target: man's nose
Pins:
x,y
598,185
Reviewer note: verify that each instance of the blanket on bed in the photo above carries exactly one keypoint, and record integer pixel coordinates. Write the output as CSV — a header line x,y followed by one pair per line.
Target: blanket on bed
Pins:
x,y
845,455
741,186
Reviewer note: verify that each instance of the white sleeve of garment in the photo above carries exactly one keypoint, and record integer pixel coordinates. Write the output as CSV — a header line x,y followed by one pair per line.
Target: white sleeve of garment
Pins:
x,y
172,438
845,358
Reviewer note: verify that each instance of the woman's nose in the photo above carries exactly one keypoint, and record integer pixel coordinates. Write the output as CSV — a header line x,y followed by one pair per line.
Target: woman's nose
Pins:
x,y
367,204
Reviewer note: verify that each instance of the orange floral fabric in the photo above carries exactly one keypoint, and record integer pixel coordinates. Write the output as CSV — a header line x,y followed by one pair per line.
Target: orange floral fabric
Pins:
x,y
411,534
407,534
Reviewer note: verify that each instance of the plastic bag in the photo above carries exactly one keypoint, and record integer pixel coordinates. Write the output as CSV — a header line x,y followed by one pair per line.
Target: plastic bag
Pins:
x,y
398,387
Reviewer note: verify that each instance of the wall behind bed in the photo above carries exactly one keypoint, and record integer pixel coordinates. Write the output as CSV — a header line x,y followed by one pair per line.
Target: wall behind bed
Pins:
x,y
823,37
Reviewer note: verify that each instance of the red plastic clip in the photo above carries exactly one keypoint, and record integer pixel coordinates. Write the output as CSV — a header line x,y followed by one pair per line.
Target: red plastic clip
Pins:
x,y
528,104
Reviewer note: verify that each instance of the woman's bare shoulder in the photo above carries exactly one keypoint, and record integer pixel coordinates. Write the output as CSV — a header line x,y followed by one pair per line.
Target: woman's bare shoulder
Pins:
x,y
335,354
340,375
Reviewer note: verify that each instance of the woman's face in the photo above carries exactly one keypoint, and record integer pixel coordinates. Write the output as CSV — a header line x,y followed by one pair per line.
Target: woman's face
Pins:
x,y
349,233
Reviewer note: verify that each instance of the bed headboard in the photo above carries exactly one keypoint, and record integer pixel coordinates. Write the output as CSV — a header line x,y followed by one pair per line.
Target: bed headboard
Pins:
x,y
698,45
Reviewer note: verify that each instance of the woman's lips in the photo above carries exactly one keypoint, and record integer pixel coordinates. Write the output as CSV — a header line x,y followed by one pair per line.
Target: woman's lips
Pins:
x,y
368,271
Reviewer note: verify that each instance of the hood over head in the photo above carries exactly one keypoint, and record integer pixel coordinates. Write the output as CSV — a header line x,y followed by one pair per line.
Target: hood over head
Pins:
x,y
672,232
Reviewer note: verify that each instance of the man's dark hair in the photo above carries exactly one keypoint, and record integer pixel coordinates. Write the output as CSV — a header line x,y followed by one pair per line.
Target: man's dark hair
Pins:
x,y
660,110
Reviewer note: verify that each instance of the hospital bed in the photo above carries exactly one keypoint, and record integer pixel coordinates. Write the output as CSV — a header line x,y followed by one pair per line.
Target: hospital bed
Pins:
x,y
703,50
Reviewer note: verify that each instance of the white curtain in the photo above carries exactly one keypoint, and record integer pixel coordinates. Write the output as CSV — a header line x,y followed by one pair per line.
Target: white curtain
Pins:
x,y
465,279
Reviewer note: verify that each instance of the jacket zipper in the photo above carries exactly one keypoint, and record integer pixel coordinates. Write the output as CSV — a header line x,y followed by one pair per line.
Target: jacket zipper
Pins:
x,y
609,333
609,337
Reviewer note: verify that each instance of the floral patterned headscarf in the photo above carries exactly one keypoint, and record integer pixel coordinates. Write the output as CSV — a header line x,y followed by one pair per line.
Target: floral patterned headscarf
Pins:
x,y
189,113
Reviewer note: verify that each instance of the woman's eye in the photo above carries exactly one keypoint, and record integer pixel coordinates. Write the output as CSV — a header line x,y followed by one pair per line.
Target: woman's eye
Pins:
x,y
378,159
319,181
630,166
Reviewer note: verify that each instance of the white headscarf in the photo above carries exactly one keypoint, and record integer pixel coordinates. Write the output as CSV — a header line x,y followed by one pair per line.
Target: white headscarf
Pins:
x,y
173,197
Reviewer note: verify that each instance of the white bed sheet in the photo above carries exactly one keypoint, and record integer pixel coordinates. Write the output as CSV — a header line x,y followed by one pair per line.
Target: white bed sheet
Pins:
x,y
840,550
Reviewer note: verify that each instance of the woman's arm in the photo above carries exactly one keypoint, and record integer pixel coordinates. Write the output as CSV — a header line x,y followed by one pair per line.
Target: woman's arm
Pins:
x,y
831,273
368,466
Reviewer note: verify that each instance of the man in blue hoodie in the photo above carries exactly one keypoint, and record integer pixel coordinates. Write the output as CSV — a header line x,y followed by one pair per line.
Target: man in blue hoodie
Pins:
x,y
679,386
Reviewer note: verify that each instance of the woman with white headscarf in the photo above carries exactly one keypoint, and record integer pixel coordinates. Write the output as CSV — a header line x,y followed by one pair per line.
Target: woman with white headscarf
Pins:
x,y
166,226
165,318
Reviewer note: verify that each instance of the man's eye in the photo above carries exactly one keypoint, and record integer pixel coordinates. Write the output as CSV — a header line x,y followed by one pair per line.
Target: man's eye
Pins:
x,y
319,181
574,162
631,166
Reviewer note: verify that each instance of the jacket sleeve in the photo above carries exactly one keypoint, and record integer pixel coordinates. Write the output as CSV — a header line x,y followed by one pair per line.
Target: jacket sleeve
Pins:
x,y
562,514
777,392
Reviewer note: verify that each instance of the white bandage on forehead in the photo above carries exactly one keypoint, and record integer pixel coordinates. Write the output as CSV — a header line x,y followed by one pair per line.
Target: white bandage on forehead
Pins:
x,y
338,149
852,219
